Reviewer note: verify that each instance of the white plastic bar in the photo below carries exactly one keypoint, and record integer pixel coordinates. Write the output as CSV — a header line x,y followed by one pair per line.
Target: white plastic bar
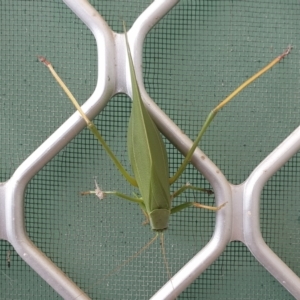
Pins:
x,y
238,220
245,227
251,216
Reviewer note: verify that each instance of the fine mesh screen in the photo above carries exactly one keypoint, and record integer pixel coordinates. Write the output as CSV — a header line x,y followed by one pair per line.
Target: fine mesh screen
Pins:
x,y
198,54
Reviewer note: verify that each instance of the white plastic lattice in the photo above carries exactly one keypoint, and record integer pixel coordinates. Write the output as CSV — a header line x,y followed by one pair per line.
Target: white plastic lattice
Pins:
x,y
239,220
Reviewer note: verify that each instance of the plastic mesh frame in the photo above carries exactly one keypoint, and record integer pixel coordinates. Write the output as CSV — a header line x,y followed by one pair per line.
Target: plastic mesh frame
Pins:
x,y
211,66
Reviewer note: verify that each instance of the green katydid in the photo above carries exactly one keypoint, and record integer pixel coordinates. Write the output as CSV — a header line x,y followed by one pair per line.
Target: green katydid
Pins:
x,y
147,152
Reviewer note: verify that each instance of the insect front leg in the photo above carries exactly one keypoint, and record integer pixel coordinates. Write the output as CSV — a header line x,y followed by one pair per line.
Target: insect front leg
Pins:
x,y
184,205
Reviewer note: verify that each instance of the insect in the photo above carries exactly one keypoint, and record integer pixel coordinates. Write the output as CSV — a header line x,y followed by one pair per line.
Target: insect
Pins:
x,y
148,156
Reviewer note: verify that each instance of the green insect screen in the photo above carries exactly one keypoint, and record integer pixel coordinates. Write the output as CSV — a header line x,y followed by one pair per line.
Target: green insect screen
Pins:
x,y
192,59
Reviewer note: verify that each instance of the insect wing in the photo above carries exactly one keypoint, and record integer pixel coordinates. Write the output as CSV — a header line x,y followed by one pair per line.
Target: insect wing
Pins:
x,y
147,152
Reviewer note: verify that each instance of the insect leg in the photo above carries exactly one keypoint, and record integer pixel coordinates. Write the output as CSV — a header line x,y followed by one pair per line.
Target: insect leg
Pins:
x,y
190,187
89,123
214,112
185,205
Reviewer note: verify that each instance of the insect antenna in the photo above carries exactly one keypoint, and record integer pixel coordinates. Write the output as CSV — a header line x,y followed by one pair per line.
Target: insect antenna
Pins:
x,y
163,251
125,263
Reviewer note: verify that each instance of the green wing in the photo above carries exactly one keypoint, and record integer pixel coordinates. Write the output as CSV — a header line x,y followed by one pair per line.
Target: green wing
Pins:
x,y
147,152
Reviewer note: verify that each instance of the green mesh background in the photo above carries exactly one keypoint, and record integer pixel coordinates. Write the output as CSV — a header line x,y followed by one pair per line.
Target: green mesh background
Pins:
x,y
193,58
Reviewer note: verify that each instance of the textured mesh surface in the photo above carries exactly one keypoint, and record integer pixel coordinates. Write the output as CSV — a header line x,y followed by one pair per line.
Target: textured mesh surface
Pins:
x,y
193,58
